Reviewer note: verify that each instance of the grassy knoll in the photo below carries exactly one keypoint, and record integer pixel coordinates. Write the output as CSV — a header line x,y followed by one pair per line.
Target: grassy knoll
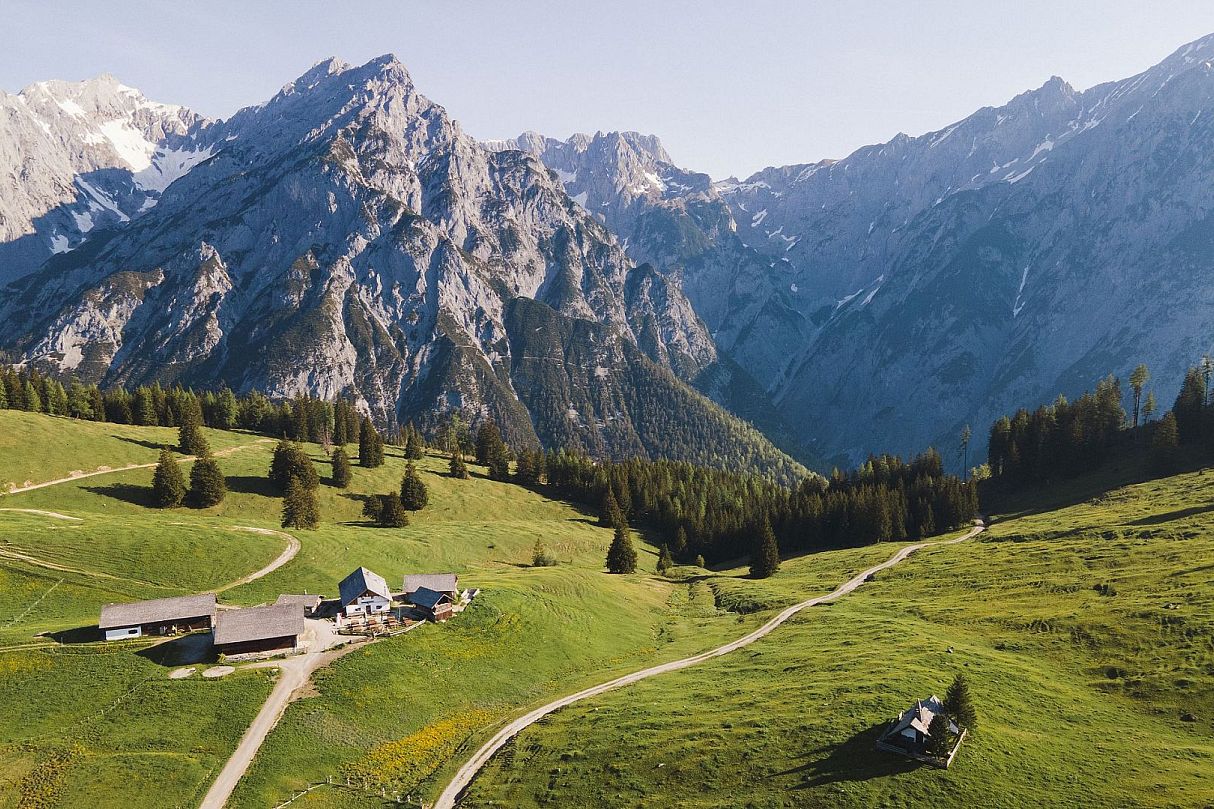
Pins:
x,y
392,714
1086,633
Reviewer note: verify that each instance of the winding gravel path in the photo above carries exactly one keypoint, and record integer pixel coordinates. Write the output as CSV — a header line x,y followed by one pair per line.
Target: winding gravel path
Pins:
x,y
463,777
287,555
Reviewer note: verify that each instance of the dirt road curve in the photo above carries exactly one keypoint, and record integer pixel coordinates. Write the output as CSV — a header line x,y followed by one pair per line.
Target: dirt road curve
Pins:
x,y
287,555
466,773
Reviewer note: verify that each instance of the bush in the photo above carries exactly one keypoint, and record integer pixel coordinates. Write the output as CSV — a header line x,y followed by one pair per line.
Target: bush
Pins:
x,y
541,556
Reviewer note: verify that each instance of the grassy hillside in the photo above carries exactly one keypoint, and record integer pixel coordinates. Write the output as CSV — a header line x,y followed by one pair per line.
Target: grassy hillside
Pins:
x,y
97,711
1086,633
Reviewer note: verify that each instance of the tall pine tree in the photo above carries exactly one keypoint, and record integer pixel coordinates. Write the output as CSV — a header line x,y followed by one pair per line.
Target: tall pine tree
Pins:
x,y
342,473
299,508
168,484
413,493
459,469
370,445
207,486
766,559
621,556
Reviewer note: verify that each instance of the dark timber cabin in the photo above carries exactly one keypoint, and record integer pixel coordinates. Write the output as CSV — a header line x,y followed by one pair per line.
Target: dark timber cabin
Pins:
x,y
308,604
438,582
436,605
259,630
160,616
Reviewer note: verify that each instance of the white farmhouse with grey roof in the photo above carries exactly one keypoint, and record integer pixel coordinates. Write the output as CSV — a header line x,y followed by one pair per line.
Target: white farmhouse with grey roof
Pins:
x,y
159,616
364,593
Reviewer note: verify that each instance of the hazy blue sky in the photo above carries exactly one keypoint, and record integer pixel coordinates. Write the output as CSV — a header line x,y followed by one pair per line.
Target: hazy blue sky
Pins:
x,y
730,87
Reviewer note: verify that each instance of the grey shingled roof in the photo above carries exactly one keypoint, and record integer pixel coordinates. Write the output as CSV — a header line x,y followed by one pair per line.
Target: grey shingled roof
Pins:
x,y
425,597
304,602
157,611
442,582
362,581
258,623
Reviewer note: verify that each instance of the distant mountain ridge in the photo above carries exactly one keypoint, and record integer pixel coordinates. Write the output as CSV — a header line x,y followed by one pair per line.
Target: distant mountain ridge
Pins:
x,y
347,237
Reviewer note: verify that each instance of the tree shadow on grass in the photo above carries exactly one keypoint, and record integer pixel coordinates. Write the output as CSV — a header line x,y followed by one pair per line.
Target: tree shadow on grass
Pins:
x,y
1179,514
252,484
143,443
854,760
127,493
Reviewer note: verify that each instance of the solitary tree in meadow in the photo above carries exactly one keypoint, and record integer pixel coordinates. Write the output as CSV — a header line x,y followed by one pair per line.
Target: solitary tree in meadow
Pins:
x,y
168,484
342,472
207,486
959,703
621,556
766,559
413,493
391,513
299,507
459,469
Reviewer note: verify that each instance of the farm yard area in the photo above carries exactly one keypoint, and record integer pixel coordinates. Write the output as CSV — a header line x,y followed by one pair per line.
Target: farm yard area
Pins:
x,y
368,715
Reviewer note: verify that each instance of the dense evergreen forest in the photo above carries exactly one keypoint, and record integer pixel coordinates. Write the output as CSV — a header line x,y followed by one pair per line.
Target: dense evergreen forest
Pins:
x,y
1065,439
721,515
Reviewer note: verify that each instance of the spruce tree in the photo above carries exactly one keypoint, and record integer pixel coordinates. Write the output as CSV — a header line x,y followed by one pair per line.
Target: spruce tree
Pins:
x,y
459,469
680,542
621,556
299,508
373,506
290,461
413,493
939,737
168,484
33,402
3,395
392,513
341,468
610,513
959,704
414,449
766,559
207,486
540,556
665,561
190,440
499,463
488,439
370,445
1164,442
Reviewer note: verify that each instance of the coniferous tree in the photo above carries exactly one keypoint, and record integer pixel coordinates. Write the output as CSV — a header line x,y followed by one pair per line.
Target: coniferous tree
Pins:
x,y
680,542
700,561
207,486
413,492
610,514
459,469
190,440
3,395
341,468
1188,406
33,401
959,703
488,439
1138,379
766,559
168,484
939,737
1164,444
144,408
373,506
299,507
290,461
414,450
665,560
499,463
392,512
540,556
370,445
1148,407
621,556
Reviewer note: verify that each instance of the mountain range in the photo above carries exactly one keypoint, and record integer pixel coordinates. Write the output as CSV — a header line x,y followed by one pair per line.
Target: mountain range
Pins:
x,y
348,238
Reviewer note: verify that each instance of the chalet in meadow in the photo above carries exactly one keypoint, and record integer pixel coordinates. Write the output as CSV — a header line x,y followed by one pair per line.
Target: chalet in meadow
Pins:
x,y
160,616
436,606
364,593
447,583
910,732
259,630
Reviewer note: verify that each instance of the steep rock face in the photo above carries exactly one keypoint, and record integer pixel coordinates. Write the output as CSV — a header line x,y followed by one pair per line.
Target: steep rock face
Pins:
x,y
1022,252
79,156
675,221
347,238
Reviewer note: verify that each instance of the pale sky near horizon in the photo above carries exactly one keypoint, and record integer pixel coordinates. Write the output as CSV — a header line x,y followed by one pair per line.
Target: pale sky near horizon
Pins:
x,y
729,87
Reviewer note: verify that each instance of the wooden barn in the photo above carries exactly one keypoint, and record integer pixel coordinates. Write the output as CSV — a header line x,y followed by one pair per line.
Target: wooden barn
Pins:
x,y
364,593
258,631
435,605
308,604
438,582
160,616
910,733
